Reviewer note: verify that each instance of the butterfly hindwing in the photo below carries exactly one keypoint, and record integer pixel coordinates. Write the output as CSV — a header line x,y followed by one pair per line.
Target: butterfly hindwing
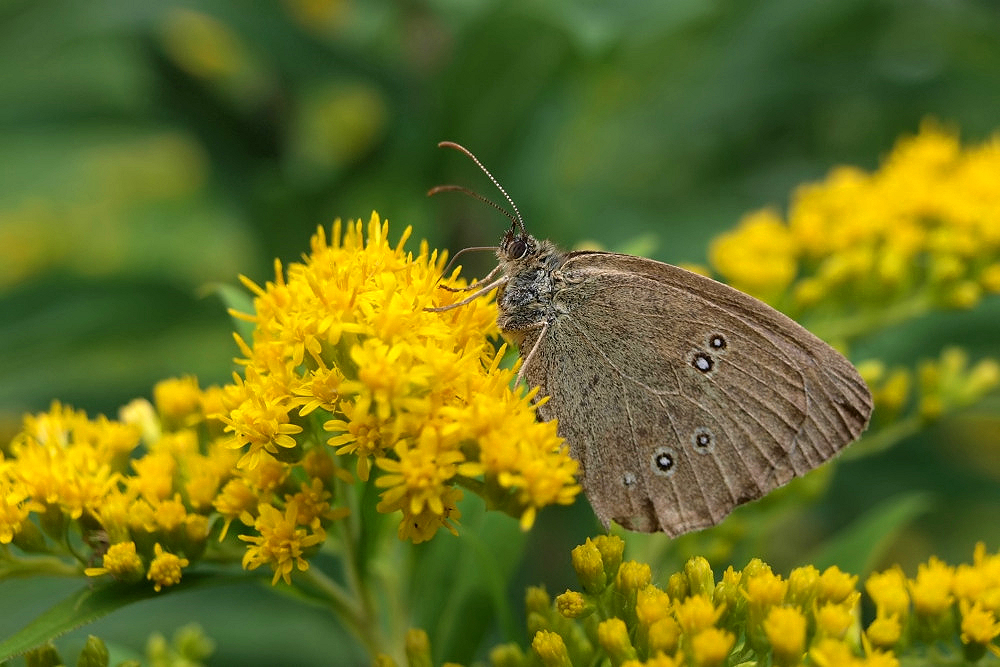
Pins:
x,y
682,397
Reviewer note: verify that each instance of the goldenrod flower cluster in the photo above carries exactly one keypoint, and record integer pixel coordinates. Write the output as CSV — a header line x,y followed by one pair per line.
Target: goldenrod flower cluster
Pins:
x,y
753,616
863,248
344,354
132,498
347,378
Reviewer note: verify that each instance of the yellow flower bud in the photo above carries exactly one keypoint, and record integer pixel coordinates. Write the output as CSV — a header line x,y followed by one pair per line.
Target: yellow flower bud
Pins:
x,y
612,635
785,628
701,580
418,648
573,605
979,625
507,655
835,585
589,567
711,647
537,600
651,604
696,613
889,592
633,577
990,278
965,294
611,547
834,620
551,648
94,653
664,636
802,585
885,631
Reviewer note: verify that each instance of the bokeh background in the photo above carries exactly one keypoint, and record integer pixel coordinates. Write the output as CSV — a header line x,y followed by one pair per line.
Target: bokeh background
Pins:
x,y
152,151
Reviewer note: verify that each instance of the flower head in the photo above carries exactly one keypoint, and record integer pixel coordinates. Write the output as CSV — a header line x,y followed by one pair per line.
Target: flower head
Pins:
x,y
415,396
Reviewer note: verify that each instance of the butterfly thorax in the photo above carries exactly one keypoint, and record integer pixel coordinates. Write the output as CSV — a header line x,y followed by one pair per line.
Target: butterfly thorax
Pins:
x,y
526,300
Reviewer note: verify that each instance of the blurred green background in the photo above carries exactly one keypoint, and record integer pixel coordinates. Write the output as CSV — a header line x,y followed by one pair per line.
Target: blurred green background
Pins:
x,y
150,151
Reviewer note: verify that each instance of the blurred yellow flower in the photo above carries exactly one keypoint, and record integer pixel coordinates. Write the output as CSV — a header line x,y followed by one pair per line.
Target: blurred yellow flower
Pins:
x,y
872,247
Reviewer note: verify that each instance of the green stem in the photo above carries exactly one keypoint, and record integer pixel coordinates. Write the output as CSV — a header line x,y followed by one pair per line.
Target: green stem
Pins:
x,y
353,615
855,326
45,565
884,438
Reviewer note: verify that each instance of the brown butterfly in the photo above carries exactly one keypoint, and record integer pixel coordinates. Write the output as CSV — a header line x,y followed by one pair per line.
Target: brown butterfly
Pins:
x,y
680,397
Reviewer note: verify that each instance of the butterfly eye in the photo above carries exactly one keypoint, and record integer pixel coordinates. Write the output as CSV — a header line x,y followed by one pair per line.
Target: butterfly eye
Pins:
x,y
518,249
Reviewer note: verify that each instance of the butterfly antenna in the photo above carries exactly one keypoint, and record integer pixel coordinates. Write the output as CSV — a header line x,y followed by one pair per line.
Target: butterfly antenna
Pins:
x,y
475,195
462,149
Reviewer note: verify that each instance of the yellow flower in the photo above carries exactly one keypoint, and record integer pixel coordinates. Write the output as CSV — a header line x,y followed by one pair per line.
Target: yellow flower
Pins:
x,y
281,542
931,590
711,647
235,499
885,631
785,628
633,577
922,228
15,505
764,590
178,400
359,435
758,257
664,636
979,625
802,586
589,567
345,336
836,586
417,479
165,569
262,422
120,561
572,605
696,613
651,605
889,592
612,635
834,620
551,649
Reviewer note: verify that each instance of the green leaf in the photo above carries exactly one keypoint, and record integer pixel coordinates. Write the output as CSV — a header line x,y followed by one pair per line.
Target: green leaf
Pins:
x,y
858,547
235,298
459,586
94,601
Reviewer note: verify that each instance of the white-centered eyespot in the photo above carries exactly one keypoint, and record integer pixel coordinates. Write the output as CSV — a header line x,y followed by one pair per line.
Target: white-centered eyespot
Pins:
x,y
718,342
664,461
703,440
703,362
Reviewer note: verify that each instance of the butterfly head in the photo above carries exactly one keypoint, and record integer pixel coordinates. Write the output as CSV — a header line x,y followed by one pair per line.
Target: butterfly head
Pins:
x,y
516,246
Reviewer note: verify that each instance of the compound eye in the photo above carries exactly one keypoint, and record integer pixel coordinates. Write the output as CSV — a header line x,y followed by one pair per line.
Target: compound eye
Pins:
x,y
518,249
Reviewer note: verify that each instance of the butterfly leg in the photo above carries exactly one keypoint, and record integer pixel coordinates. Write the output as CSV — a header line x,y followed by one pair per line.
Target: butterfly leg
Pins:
x,y
543,325
485,290
476,285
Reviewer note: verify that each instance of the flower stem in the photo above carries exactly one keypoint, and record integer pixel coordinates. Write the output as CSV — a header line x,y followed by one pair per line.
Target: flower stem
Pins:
x,y
12,566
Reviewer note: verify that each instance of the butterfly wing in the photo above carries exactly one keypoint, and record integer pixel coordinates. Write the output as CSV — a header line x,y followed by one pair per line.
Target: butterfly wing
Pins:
x,y
681,397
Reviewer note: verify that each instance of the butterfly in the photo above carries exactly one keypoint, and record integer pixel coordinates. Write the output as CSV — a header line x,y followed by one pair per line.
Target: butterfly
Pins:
x,y
680,397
